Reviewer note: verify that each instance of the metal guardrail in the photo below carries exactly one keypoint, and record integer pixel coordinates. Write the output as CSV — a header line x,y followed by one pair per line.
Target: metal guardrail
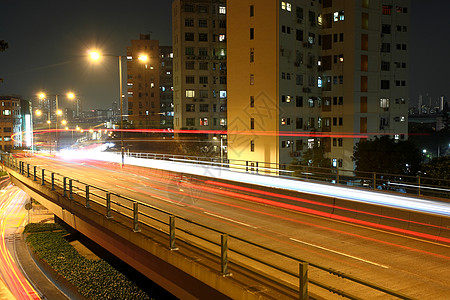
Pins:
x,y
416,185
137,212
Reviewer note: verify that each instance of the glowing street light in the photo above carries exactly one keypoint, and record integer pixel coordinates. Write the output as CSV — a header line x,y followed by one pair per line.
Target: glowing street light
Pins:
x,y
95,55
143,57
58,112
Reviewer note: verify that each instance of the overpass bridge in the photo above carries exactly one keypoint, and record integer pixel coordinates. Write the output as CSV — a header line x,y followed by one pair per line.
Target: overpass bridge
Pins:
x,y
192,259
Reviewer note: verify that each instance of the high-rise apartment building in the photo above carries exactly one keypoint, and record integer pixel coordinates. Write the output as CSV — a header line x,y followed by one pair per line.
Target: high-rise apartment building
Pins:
x,y
143,77
307,73
166,87
199,65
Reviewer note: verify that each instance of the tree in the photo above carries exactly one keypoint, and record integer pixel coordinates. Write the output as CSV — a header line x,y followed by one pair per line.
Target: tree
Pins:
x,y
3,45
313,161
385,155
438,167
315,157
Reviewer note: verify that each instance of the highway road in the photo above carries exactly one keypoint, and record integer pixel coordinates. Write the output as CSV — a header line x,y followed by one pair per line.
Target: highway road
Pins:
x,y
414,267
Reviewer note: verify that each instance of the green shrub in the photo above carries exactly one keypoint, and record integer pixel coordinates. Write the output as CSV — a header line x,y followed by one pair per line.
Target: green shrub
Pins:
x,y
94,279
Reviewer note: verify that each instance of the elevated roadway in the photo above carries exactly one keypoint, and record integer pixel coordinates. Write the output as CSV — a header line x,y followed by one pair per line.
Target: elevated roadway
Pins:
x,y
413,265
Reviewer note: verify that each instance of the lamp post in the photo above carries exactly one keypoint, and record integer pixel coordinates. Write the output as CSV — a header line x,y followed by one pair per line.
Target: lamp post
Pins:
x,y
69,95
95,55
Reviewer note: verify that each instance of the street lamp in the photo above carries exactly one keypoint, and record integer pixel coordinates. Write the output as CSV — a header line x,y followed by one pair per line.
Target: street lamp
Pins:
x,y
58,112
95,55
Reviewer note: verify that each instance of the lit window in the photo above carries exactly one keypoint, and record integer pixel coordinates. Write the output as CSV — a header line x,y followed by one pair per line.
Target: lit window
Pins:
x,y
283,121
130,93
222,10
203,121
223,94
190,93
221,37
223,122
384,103
288,99
286,6
338,16
319,81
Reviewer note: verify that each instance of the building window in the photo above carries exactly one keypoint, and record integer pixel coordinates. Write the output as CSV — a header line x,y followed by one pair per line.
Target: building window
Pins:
x,y
286,6
189,36
384,84
252,33
252,10
203,79
190,79
202,23
204,107
385,66
190,93
189,8
299,123
222,10
222,38
252,146
190,122
386,47
203,51
252,123
203,121
386,10
189,50
298,101
203,66
386,28
203,93
202,37
223,94
189,22
252,79
338,16
190,107
252,55
252,101
384,102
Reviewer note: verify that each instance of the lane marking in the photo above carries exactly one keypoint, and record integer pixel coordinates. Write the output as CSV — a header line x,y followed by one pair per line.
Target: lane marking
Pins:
x,y
231,220
99,180
340,253
169,201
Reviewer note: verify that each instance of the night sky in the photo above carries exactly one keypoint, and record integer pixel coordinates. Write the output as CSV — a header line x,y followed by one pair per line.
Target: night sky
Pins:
x,y
48,41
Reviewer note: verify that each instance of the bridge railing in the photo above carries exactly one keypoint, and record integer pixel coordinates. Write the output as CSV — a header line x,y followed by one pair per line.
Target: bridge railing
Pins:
x,y
416,185
289,272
